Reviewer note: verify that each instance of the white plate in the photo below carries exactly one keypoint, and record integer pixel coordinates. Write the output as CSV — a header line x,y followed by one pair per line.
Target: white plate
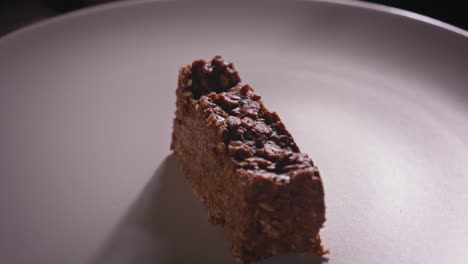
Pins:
x,y
379,100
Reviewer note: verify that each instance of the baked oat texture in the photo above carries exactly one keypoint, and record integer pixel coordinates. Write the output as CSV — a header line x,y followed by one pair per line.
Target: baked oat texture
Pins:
x,y
244,165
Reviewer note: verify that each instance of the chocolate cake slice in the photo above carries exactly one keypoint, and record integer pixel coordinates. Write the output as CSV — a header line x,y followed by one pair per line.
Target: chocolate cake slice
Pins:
x,y
244,165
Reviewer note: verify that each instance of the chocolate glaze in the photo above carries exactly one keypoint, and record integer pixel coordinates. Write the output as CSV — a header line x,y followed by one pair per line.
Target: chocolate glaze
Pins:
x,y
255,137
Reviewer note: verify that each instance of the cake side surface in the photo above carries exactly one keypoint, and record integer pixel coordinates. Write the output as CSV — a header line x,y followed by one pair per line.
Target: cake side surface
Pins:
x,y
245,166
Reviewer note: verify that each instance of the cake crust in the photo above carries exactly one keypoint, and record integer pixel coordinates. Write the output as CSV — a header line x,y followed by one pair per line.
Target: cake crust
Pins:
x,y
245,166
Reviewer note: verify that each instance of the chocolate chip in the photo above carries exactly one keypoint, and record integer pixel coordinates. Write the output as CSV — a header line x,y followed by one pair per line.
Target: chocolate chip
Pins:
x,y
250,108
255,97
233,122
239,150
271,117
262,128
245,89
248,122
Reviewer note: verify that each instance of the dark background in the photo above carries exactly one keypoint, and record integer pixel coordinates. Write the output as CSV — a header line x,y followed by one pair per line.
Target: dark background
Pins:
x,y
16,14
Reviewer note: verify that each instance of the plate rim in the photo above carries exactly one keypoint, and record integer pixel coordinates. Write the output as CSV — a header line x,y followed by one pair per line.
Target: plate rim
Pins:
x,y
349,3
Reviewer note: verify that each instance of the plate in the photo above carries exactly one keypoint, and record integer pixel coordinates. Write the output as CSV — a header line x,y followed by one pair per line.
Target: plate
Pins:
x,y
377,96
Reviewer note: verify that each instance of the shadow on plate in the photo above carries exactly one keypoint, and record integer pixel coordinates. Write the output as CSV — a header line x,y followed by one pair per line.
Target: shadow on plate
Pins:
x,y
166,224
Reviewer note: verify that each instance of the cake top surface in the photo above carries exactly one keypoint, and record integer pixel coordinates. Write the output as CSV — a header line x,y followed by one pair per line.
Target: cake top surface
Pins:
x,y
255,137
